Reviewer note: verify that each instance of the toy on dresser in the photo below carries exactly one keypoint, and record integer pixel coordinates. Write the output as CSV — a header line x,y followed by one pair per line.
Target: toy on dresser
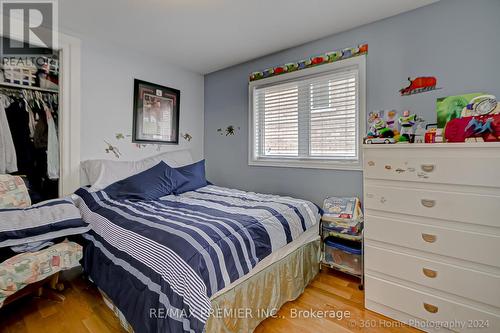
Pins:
x,y
433,134
407,122
380,130
383,127
391,121
479,122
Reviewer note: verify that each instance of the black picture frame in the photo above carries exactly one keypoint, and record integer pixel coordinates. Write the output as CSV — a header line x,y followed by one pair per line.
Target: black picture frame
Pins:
x,y
161,123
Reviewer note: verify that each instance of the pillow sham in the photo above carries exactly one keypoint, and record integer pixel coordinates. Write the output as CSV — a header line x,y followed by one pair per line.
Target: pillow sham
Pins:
x,y
102,173
150,184
44,221
195,174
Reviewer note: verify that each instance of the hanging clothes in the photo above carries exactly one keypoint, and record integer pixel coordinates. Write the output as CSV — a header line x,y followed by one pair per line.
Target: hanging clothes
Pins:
x,y
8,158
52,147
31,117
40,179
41,135
18,118
29,143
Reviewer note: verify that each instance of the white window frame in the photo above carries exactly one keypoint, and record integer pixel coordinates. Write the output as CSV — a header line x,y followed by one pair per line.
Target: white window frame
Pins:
x,y
358,63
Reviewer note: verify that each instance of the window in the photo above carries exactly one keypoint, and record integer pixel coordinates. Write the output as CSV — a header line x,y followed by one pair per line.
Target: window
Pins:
x,y
309,118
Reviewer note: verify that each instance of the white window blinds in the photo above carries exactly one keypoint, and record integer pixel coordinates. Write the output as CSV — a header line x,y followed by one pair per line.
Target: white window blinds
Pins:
x,y
313,117
278,117
333,116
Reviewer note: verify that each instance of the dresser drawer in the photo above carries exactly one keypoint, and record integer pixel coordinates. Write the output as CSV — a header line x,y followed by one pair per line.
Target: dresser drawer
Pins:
x,y
477,167
428,307
475,247
456,206
477,286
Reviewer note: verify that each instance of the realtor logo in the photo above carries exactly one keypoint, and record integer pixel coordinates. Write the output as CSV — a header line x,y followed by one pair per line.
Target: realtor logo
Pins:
x,y
28,27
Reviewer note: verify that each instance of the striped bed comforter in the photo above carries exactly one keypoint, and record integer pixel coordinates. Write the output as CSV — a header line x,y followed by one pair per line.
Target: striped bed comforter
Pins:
x,y
41,222
160,261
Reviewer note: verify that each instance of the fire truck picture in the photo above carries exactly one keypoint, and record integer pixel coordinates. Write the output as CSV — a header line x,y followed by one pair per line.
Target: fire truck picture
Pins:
x,y
419,84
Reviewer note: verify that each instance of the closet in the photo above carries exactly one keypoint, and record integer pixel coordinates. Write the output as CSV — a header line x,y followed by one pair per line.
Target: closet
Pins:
x,y
29,123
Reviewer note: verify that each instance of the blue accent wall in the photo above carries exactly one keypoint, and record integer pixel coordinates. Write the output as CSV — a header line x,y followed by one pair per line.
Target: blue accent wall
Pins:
x,y
458,41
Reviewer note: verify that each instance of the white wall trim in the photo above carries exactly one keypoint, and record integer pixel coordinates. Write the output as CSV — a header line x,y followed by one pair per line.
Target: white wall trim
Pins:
x,y
69,111
359,63
306,164
70,100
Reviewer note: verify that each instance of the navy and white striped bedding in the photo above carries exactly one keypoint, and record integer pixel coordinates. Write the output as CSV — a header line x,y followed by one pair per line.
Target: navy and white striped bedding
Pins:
x,y
174,253
41,222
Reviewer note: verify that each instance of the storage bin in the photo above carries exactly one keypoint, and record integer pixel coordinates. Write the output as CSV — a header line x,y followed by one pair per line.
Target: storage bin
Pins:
x,y
344,253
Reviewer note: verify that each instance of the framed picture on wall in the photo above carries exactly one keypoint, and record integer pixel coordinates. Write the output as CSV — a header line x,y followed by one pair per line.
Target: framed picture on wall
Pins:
x,y
156,113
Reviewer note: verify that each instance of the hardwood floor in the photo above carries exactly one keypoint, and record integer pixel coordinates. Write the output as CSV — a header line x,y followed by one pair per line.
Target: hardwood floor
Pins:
x,y
83,311
330,291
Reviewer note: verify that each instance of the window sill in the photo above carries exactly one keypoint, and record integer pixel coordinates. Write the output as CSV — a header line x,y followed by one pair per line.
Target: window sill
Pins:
x,y
307,164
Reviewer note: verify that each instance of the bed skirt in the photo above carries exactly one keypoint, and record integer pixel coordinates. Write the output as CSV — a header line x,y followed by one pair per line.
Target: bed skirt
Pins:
x,y
243,307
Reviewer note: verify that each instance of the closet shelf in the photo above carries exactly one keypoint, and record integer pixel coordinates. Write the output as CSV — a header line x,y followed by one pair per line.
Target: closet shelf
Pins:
x,y
13,85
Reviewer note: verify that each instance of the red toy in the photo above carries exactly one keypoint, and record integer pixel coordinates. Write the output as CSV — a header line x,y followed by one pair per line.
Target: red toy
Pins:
x,y
419,84
278,70
430,136
318,60
486,128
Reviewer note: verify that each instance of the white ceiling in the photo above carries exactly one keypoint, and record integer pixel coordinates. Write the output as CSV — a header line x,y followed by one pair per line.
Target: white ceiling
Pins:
x,y
208,35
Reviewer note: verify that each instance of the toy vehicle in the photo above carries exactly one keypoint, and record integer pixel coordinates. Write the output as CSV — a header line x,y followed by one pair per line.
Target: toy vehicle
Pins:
x,y
375,140
379,132
419,84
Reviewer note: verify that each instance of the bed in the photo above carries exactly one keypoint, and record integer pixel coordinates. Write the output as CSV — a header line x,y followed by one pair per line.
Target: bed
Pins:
x,y
214,259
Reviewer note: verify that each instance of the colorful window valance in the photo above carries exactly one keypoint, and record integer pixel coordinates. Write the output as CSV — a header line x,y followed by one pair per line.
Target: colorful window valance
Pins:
x,y
325,58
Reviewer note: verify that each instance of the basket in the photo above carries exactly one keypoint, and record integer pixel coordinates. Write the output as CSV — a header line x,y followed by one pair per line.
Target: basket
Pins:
x,y
21,75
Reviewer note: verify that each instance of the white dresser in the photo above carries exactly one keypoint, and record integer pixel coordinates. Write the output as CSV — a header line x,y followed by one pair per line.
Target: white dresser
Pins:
x,y
432,234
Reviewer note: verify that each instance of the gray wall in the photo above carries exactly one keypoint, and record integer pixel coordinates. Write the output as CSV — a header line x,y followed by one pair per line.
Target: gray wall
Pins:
x,y
108,73
458,41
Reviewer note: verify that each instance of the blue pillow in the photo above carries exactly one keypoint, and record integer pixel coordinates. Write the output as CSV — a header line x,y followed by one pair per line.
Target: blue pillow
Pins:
x,y
195,173
150,184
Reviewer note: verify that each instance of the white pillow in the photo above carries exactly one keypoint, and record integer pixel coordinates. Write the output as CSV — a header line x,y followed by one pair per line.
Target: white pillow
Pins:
x,y
102,173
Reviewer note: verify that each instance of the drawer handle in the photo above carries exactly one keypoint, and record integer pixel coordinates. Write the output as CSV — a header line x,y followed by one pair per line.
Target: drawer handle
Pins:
x,y
427,167
431,308
429,238
429,273
428,203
